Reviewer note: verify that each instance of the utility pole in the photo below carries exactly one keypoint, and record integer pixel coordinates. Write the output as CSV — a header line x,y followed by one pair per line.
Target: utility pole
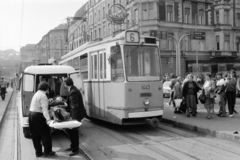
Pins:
x,y
176,48
196,22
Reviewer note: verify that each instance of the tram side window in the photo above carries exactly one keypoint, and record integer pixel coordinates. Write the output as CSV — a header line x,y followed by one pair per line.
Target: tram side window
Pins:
x,y
69,63
84,66
116,64
76,63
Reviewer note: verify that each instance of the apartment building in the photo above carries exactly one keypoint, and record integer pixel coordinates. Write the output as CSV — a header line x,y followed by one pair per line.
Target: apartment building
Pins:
x,y
53,45
209,30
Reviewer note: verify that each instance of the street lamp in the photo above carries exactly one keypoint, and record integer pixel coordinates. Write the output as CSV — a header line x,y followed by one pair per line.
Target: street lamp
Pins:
x,y
178,53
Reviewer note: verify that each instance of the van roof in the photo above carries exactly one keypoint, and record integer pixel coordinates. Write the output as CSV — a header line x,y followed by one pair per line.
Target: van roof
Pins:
x,y
49,69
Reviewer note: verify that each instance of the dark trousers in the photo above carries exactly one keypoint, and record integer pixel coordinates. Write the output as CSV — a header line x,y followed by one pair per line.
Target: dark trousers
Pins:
x,y
3,93
172,99
231,99
74,138
40,133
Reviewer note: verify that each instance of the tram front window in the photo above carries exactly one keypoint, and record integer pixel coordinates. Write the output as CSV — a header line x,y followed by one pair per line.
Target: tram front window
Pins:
x,y
142,63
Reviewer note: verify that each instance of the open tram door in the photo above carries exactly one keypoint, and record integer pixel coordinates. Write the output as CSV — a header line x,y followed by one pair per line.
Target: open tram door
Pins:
x,y
78,82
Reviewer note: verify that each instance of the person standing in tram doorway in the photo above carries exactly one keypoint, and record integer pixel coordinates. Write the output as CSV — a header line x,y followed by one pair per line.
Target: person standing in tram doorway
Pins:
x,y
3,88
77,112
39,120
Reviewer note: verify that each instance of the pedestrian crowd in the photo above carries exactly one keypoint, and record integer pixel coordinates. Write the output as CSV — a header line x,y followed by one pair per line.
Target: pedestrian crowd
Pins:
x,y
204,88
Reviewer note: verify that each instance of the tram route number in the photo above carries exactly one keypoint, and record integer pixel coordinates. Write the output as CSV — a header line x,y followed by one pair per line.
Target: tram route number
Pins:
x,y
145,87
132,37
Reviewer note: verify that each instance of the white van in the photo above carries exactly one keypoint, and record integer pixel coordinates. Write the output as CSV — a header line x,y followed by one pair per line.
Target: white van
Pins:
x,y
28,83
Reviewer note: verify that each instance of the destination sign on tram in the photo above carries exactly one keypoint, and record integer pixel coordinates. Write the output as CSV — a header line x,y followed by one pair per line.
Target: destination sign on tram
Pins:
x,y
132,37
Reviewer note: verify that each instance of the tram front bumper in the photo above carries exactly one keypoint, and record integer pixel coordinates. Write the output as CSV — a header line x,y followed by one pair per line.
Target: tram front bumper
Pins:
x,y
145,114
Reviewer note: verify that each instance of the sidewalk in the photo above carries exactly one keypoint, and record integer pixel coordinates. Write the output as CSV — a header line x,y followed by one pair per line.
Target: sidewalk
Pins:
x,y
4,104
220,127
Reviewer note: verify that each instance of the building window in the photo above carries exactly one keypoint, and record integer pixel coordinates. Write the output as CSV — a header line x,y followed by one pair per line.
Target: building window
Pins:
x,y
103,12
95,17
99,33
238,19
187,15
109,29
217,17
170,13
170,43
201,19
136,16
227,42
218,42
226,1
95,34
238,44
151,11
226,16
144,11
99,15
186,44
104,31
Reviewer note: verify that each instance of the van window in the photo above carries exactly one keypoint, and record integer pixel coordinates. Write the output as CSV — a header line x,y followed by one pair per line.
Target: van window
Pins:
x,y
28,81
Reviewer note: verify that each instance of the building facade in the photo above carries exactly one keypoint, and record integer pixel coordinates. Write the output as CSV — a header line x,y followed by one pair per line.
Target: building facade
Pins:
x,y
206,31
28,53
53,45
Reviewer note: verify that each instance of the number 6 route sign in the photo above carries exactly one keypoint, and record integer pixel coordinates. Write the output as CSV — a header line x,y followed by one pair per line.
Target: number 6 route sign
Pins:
x,y
132,37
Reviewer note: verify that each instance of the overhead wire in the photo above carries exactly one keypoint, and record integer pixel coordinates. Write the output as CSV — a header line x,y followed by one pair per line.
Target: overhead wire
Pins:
x,y
21,25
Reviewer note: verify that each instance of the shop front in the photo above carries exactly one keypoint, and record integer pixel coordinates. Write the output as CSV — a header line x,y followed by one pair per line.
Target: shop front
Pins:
x,y
216,62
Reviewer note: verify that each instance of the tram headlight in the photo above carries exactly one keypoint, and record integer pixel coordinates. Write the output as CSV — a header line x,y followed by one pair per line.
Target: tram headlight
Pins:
x,y
146,102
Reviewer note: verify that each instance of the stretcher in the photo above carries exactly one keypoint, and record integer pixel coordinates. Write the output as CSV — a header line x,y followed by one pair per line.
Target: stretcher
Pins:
x,y
67,124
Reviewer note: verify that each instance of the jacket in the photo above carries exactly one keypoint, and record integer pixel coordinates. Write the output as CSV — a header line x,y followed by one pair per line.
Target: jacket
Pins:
x,y
75,103
185,90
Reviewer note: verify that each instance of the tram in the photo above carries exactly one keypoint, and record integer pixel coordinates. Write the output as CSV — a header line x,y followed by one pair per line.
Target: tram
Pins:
x,y
121,78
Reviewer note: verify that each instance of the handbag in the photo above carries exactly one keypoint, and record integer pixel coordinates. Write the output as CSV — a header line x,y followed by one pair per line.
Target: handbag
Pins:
x,y
202,97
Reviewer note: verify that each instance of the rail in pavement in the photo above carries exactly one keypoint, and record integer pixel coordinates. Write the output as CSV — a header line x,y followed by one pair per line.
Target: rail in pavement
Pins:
x,y
220,127
4,104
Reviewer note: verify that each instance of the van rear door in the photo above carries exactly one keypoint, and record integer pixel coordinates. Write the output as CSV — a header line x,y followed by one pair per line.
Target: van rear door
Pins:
x,y
27,93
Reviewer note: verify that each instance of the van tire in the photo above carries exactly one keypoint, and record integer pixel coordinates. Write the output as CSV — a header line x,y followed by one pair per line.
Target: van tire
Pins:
x,y
26,132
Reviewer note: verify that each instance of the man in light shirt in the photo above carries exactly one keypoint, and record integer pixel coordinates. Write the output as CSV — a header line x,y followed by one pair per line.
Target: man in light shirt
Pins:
x,y
39,120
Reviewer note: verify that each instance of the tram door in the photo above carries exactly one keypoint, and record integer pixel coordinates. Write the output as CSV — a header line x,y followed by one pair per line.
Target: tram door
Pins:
x,y
98,107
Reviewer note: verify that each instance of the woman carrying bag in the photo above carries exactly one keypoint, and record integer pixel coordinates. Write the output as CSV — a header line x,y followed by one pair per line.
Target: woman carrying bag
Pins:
x,y
177,93
190,89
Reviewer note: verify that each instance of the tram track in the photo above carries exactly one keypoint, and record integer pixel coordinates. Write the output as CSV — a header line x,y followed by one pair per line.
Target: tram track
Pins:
x,y
142,140
140,145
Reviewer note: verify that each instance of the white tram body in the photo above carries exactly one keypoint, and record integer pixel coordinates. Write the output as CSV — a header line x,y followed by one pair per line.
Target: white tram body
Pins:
x,y
121,78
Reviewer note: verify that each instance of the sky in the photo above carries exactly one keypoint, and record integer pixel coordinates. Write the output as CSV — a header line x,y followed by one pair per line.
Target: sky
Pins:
x,y
27,21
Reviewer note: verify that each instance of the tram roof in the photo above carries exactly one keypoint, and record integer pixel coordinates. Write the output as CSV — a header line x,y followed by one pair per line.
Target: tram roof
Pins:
x,y
105,40
49,69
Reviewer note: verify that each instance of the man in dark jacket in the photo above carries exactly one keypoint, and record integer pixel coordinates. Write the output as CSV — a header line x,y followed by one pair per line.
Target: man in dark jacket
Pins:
x,y
77,112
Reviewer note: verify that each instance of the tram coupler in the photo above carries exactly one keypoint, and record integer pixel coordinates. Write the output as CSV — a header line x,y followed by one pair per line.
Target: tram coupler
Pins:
x,y
154,122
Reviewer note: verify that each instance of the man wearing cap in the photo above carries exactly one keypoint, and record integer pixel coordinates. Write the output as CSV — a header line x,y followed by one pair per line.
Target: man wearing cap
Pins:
x,y
3,88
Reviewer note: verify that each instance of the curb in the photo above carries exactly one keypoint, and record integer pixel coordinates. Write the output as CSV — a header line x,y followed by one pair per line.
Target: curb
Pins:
x,y
204,131
1,121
